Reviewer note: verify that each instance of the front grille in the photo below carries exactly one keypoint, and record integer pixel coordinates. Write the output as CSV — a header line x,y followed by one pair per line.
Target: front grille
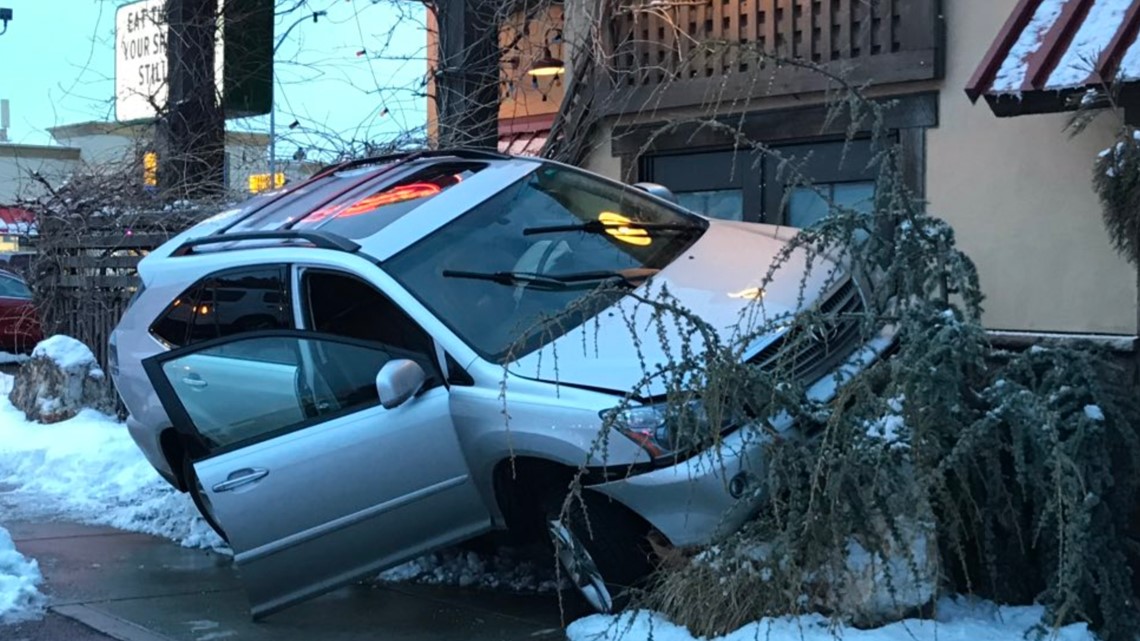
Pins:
x,y
810,352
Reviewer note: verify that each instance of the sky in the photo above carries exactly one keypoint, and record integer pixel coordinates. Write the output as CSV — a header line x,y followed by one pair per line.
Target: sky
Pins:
x,y
355,75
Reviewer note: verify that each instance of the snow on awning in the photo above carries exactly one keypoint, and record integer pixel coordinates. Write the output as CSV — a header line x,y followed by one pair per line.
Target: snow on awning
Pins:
x,y
1049,50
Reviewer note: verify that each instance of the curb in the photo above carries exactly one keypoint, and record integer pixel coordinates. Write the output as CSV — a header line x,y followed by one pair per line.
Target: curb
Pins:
x,y
108,624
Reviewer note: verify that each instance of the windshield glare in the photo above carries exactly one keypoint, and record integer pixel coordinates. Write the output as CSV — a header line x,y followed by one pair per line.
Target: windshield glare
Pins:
x,y
505,321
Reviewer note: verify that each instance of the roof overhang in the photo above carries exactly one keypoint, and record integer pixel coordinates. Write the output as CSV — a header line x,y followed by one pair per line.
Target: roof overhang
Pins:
x,y
1051,53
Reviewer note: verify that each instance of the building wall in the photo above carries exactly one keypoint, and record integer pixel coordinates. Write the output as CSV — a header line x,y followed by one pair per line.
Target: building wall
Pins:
x,y
1018,193
1016,190
102,142
17,162
522,42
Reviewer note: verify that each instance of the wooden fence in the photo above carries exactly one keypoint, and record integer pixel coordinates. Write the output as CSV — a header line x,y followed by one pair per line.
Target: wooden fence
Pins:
x,y
85,270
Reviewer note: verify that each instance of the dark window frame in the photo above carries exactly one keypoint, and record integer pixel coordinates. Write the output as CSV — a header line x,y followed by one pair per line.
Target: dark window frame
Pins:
x,y
303,299
196,287
759,177
906,120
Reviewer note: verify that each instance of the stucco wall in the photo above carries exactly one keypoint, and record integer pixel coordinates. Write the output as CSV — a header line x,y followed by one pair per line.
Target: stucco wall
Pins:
x,y
1017,191
17,162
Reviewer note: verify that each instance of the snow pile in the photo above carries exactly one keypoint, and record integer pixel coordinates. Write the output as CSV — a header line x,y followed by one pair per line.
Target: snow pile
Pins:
x,y
69,354
958,620
507,569
19,576
891,428
88,469
60,380
8,358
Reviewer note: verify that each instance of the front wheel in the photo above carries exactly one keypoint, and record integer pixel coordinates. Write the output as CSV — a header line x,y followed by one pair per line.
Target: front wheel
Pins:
x,y
602,547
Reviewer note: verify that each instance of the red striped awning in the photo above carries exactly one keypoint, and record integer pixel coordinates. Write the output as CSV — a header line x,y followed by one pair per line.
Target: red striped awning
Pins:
x,y
524,135
17,221
1048,51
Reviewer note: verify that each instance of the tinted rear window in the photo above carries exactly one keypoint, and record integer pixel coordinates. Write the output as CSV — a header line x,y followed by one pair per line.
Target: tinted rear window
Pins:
x,y
228,303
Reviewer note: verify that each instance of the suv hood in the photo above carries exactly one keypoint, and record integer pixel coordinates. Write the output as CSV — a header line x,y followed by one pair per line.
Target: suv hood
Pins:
x,y
712,280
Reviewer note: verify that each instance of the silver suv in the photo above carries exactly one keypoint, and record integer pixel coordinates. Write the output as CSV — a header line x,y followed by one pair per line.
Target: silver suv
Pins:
x,y
361,368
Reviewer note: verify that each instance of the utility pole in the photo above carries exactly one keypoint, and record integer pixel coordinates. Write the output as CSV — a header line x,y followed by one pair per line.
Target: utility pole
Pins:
x,y
191,134
467,82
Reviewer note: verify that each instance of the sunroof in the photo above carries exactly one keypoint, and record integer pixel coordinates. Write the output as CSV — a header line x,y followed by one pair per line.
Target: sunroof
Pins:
x,y
305,198
362,216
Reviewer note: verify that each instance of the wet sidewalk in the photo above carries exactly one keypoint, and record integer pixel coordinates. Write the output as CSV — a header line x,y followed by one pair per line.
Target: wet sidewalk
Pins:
x,y
135,587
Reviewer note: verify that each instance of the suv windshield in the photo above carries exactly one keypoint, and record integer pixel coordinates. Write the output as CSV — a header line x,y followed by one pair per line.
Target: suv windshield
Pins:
x,y
529,264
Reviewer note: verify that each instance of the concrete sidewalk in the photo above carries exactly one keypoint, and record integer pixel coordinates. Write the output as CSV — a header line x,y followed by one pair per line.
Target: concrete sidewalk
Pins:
x,y
134,587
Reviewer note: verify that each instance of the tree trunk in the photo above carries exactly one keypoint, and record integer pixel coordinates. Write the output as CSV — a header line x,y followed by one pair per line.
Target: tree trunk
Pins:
x,y
191,133
467,83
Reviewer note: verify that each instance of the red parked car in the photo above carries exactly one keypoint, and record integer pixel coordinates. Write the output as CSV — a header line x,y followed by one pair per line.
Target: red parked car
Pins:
x,y
19,323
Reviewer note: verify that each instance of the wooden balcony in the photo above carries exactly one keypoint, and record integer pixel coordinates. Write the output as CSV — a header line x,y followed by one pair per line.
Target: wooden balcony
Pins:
x,y
681,53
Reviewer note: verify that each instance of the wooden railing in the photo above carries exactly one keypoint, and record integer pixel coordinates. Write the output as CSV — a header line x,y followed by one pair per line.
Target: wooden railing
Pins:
x,y
677,53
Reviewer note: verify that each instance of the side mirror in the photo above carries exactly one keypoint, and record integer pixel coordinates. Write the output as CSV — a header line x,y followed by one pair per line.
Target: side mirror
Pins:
x,y
661,191
398,381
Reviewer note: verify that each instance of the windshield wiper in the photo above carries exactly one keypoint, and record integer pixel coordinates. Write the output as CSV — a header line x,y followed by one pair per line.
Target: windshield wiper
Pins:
x,y
556,282
599,227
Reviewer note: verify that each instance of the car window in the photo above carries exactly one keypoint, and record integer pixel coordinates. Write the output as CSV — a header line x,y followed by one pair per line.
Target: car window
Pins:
x,y
344,305
252,400
13,288
229,303
555,223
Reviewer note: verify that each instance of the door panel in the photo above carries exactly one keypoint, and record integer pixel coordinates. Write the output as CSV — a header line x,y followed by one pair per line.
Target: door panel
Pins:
x,y
345,491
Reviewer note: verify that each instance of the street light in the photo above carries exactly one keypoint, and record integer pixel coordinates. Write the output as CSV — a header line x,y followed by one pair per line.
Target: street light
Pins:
x,y
273,100
5,17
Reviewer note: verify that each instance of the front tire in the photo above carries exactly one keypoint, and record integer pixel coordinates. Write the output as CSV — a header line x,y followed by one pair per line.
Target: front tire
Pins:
x,y
602,547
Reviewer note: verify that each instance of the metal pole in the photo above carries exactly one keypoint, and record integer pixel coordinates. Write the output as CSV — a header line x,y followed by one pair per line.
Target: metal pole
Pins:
x,y
273,134
273,102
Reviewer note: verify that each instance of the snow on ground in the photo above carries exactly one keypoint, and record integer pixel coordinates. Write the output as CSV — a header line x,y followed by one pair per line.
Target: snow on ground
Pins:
x,y
88,469
507,569
19,576
958,620
8,358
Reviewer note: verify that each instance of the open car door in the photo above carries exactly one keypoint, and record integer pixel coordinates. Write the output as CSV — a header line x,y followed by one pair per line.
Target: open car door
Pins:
x,y
315,482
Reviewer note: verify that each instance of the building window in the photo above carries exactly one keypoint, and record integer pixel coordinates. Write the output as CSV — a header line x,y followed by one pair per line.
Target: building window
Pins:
x,y
746,185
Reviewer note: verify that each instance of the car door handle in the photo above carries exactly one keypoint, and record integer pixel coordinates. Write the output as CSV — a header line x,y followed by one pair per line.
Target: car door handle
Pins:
x,y
194,381
241,477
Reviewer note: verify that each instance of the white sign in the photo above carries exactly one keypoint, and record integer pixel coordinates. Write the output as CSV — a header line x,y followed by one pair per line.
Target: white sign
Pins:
x,y
140,60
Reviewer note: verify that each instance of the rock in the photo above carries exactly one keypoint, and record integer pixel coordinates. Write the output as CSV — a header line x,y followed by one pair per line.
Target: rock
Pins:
x,y
874,589
61,378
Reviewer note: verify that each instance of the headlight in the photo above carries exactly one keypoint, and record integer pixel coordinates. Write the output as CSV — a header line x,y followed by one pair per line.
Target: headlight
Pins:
x,y
666,429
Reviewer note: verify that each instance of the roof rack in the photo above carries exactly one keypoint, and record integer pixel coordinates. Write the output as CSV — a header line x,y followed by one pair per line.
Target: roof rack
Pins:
x,y
458,152
321,239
